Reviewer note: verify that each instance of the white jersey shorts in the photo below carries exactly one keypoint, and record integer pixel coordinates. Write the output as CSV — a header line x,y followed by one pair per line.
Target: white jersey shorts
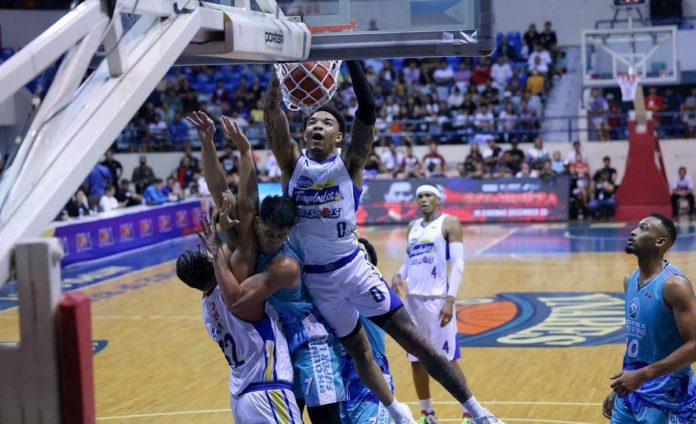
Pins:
x,y
425,313
349,288
266,403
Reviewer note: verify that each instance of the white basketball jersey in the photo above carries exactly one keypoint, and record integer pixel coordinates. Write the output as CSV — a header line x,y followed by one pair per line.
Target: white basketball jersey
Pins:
x,y
256,352
427,258
327,202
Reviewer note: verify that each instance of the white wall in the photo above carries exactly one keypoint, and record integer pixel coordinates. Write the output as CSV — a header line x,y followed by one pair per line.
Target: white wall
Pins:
x,y
676,153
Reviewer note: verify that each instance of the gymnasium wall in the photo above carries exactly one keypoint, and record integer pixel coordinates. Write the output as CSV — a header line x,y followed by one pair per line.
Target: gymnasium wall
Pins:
x,y
676,153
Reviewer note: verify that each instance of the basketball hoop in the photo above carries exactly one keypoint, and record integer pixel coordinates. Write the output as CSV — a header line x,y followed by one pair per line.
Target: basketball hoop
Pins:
x,y
628,83
307,86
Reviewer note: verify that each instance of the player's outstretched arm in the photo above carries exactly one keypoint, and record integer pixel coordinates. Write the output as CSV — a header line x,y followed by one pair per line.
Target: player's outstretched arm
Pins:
x,y
282,145
243,261
454,235
212,170
679,297
363,133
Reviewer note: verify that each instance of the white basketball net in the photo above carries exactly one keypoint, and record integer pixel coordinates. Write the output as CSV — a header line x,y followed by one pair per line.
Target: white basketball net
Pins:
x,y
628,83
307,86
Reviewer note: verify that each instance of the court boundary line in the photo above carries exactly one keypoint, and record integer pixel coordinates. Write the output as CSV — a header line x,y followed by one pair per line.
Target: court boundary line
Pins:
x,y
494,402
496,241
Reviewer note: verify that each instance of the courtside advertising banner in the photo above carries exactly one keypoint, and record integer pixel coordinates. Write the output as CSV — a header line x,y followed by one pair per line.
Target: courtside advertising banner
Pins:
x,y
499,200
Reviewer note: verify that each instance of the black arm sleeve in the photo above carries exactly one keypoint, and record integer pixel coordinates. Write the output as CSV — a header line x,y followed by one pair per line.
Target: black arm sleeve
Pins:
x,y
366,101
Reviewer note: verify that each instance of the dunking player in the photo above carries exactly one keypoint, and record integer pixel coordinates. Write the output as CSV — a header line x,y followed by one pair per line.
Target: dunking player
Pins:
x,y
431,241
248,333
326,188
317,378
657,383
361,405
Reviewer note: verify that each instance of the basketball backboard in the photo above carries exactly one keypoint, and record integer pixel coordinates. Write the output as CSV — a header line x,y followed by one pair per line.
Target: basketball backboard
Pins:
x,y
387,28
650,52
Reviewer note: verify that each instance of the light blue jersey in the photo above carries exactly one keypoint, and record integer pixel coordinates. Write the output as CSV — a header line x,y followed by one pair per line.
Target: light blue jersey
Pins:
x,y
651,335
317,378
361,405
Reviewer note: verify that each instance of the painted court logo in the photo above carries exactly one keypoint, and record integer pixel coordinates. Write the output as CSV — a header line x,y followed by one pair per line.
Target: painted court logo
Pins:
x,y
542,320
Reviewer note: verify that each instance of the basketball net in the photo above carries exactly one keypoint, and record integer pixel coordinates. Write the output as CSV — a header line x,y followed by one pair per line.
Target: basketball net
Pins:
x,y
307,86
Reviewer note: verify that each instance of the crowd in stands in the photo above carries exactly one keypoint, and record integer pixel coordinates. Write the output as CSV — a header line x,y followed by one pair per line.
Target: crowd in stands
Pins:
x,y
452,99
673,108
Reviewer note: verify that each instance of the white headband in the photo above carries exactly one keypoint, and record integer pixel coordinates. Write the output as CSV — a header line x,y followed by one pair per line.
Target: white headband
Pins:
x,y
427,188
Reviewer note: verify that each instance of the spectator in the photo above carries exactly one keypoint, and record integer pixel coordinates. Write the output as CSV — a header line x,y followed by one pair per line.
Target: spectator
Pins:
x,y
178,131
557,164
410,165
614,118
228,160
688,110
611,172
462,76
516,157
272,168
221,96
153,193
173,190
142,176
547,168
412,73
78,205
491,154
538,66
507,122
525,172
159,133
543,55
127,198
501,73
434,163
506,50
444,74
373,167
108,202
527,123
670,118
185,172
682,188
536,155
115,167
548,37
654,103
392,158
603,203
455,99
484,120
577,151
193,161
482,73
531,37
97,180
535,83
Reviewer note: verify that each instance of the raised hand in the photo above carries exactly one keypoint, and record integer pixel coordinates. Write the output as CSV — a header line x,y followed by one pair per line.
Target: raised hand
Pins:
x,y
228,211
272,99
234,133
209,236
204,125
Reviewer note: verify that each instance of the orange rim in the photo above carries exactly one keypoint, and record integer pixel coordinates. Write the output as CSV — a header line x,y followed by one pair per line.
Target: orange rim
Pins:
x,y
334,28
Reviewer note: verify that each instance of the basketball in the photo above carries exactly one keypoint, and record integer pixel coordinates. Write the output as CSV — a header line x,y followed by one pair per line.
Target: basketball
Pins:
x,y
308,82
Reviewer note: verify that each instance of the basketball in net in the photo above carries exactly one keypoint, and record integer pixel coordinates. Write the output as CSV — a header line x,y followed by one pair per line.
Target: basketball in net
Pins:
x,y
306,86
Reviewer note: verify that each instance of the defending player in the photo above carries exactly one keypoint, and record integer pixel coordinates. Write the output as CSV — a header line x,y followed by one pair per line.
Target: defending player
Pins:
x,y
657,383
326,188
430,292
361,405
317,383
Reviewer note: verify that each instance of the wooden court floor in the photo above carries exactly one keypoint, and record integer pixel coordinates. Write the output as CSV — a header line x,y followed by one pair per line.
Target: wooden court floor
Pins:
x,y
159,366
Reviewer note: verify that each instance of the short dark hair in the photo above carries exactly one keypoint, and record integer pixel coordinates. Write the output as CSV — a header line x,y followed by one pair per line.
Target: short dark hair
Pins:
x,y
278,211
369,249
195,269
668,224
682,167
158,180
335,113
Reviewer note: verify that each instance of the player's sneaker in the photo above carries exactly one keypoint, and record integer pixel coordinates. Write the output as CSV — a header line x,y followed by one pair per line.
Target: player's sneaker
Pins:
x,y
403,415
427,419
466,419
487,419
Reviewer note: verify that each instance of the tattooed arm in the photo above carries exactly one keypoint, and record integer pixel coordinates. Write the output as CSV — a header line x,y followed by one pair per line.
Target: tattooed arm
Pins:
x,y
282,145
363,132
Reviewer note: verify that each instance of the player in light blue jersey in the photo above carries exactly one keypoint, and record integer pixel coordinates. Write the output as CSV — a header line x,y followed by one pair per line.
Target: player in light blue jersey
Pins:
x,y
657,383
317,381
361,405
